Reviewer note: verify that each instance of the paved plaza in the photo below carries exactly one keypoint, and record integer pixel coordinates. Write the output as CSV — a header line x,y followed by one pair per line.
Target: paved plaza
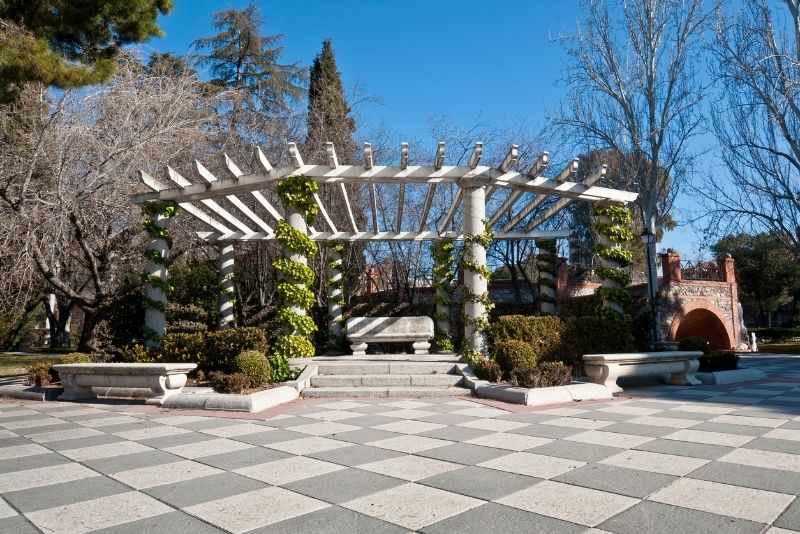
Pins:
x,y
657,459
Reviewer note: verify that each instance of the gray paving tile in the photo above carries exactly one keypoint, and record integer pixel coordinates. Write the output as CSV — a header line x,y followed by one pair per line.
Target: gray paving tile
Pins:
x,y
693,416
480,482
132,461
464,453
175,440
455,433
355,454
332,519
288,421
31,462
596,415
43,497
749,477
127,427
344,485
639,430
657,518
791,425
270,436
448,418
725,428
774,445
244,458
492,517
576,450
764,412
27,432
80,443
208,424
14,441
790,519
547,431
203,489
366,421
17,525
685,448
630,482
175,522
364,435
526,417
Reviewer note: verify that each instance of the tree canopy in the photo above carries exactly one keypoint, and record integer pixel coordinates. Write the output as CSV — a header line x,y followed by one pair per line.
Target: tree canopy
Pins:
x,y
68,44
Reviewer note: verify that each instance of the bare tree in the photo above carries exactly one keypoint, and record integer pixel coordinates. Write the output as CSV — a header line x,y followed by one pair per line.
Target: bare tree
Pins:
x,y
757,122
634,90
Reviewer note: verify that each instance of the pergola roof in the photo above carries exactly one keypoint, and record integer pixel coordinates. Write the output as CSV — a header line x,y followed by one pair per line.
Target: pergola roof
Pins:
x,y
199,199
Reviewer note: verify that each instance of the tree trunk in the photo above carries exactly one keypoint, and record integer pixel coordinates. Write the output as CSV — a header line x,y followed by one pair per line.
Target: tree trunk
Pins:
x,y
88,341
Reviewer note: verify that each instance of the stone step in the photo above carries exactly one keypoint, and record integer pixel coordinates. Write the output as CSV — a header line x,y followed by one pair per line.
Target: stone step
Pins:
x,y
385,368
375,380
406,392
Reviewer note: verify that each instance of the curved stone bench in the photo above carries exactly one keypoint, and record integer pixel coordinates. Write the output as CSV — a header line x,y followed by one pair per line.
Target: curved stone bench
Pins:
x,y
164,379
605,369
363,330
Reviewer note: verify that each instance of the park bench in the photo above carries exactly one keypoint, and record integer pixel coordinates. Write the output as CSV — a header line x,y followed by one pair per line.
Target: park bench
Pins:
x,y
363,330
605,369
164,379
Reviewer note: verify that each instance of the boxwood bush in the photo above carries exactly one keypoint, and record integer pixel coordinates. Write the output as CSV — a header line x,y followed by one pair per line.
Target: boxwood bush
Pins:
x,y
255,366
512,353
543,333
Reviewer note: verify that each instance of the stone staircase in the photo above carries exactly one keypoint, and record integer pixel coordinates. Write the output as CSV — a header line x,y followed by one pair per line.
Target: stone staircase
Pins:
x,y
381,378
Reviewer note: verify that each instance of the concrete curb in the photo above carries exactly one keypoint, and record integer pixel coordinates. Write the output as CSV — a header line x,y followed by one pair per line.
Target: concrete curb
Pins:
x,y
255,402
532,396
30,393
721,378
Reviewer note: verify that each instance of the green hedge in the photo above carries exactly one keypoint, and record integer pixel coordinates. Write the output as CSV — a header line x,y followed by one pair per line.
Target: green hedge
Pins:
x,y
512,353
777,334
595,335
543,333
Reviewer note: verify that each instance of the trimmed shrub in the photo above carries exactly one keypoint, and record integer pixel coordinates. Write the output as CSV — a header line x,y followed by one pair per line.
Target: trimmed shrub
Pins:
x,y
182,347
487,369
40,374
77,357
543,375
212,351
776,334
718,361
229,383
582,306
137,354
593,334
255,366
693,343
511,354
543,333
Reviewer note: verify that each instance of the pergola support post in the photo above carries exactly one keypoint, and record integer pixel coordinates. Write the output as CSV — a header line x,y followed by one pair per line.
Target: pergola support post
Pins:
x,y
155,320
475,283
226,287
442,310
297,221
335,295
547,286
604,242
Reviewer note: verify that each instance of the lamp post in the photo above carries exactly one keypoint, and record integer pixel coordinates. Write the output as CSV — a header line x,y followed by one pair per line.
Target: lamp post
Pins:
x,y
648,239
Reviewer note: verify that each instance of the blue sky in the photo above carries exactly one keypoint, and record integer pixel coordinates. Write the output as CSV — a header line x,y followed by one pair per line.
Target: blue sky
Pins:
x,y
469,60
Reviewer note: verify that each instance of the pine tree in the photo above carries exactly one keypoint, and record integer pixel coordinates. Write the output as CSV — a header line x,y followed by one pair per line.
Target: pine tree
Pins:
x,y
328,112
69,44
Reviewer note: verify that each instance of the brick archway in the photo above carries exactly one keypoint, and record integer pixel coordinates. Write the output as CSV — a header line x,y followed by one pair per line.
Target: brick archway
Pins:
x,y
702,319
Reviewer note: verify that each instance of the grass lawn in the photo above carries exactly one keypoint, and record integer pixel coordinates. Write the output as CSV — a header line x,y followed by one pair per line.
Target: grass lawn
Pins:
x,y
781,348
17,364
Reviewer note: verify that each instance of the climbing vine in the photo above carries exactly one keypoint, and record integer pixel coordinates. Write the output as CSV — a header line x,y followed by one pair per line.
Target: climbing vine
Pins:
x,y
546,264
617,232
481,323
442,253
294,290
151,211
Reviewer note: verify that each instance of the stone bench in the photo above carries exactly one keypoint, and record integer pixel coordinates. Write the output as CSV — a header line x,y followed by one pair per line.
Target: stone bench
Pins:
x,y
363,330
605,369
164,379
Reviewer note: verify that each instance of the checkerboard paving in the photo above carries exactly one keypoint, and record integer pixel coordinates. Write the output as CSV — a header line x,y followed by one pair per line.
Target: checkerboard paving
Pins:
x,y
661,459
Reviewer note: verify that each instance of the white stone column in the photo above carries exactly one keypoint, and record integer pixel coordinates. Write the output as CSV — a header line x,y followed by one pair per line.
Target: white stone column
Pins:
x,y
607,282
334,272
474,215
546,279
298,222
154,318
227,254
442,310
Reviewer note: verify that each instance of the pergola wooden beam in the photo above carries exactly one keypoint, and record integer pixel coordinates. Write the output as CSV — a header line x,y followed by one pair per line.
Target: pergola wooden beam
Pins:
x,y
538,168
188,207
333,163
562,203
373,198
382,236
426,206
206,175
180,181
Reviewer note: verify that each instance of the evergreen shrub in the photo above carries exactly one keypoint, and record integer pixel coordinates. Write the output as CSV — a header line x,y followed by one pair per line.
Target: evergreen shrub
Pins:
x,y
543,333
511,354
255,366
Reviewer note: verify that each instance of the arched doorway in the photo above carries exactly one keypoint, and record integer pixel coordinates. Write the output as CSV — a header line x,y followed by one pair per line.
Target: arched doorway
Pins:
x,y
702,322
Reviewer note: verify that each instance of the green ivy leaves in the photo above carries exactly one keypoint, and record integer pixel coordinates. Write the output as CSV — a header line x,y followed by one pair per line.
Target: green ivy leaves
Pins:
x,y
298,192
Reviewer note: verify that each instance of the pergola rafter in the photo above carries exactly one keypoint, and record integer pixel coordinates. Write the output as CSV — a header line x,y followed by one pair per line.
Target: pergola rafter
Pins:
x,y
476,185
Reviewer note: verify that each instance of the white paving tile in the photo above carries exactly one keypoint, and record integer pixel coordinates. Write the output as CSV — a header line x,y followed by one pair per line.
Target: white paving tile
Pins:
x,y
511,442
208,448
570,503
783,433
562,411
323,428
152,432
178,419
6,510
44,476
483,411
58,435
610,439
308,445
108,421
6,434
79,412
407,414
410,443
333,415
710,438
413,506
158,475
532,465
410,468
19,451
288,470
95,514
255,509
748,421
630,410
578,422
766,459
667,464
701,408
342,405
32,423
234,431
406,404
495,425
409,427
776,530
724,499
108,450
17,413
670,422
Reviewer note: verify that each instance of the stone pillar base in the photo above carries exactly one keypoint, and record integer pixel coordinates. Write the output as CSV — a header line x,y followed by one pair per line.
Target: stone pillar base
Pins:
x,y
421,347
359,349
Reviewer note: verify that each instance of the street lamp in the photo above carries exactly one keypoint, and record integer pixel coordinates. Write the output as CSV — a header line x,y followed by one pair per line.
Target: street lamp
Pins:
x,y
648,239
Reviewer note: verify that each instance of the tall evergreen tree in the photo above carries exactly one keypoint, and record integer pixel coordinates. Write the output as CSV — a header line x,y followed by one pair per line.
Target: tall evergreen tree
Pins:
x,y
329,116
68,43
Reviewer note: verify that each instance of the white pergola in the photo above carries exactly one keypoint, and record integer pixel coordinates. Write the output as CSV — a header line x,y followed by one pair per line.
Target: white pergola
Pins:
x,y
237,207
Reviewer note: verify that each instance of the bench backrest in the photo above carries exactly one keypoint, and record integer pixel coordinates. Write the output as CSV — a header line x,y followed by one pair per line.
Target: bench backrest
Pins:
x,y
389,326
